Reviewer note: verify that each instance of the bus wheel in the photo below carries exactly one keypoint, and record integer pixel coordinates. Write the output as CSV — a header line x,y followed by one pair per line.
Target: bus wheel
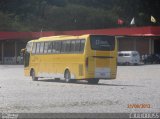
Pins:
x,y
93,81
67,76
34,78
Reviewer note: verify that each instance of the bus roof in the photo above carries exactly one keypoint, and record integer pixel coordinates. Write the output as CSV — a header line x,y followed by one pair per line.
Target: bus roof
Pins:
x,y
60,37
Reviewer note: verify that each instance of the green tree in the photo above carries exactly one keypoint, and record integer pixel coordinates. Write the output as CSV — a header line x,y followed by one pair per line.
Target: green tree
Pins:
x,y
33,15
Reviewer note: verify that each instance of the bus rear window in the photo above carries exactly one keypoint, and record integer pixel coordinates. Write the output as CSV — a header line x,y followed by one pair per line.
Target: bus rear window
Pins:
x,y
102,42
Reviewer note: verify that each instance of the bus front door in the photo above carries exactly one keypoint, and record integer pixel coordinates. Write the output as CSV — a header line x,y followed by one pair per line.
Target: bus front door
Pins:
x,y
26,59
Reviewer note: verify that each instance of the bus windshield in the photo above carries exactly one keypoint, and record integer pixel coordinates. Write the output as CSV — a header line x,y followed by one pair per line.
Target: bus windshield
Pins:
x,y
102,42
28,47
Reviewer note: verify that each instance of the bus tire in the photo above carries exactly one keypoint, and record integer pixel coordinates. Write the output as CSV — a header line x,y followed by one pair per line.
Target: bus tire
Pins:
x,y
67,76
57,79
34,78
93,81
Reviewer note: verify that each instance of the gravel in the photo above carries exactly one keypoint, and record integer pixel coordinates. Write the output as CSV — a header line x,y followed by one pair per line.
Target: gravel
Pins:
x,y
134,85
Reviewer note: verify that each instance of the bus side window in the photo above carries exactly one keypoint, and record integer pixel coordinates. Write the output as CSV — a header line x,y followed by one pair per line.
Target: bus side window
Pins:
x,y
53,47
34,48
73,46
41,47
45,47
68,46
77,46
37,48
57,46
49,47
82,46
63,47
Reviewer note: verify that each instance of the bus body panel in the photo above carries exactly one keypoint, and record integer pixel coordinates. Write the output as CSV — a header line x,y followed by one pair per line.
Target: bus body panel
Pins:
x,y
55,66
102,64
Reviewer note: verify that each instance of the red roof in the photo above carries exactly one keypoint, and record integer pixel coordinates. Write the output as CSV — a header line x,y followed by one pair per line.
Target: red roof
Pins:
x,y
130,31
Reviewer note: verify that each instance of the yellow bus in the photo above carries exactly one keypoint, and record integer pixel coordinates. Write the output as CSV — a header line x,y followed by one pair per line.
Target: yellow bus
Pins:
x,y
85,57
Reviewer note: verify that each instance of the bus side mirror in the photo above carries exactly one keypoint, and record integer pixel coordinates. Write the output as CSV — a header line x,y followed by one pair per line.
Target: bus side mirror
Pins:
x,y
23,50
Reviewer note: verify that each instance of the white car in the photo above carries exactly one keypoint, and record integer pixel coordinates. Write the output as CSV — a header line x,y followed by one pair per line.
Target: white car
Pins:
x,y
128,57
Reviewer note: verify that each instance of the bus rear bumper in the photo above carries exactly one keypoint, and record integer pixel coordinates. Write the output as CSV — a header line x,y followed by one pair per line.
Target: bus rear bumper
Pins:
x,y
97,78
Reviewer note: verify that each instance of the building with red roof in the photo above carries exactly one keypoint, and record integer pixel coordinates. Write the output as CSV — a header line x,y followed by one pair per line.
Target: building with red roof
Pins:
x,y
146,40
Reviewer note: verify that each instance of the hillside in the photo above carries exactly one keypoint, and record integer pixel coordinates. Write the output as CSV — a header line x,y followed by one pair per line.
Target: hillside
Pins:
x,y
37,15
